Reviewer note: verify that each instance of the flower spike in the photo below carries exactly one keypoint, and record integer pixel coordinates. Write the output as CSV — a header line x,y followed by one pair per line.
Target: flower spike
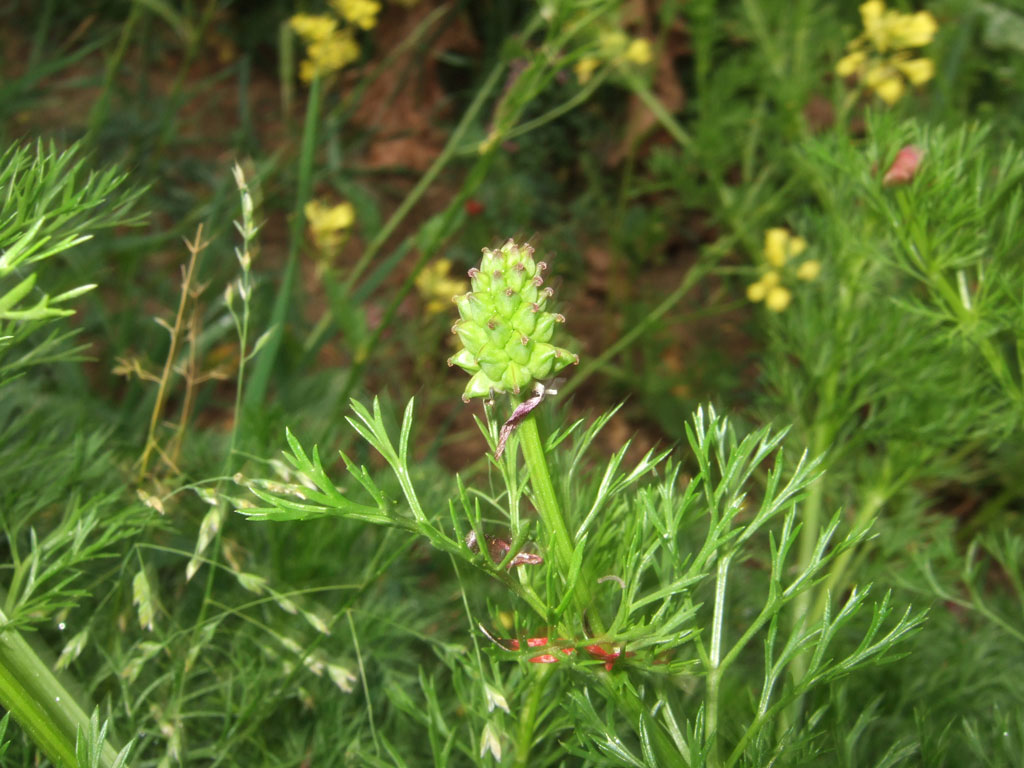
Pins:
x,y
504,329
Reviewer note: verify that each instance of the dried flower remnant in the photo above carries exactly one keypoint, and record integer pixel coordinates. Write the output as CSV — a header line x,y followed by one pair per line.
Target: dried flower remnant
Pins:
x,y
519,413
881,57
498,550
904,167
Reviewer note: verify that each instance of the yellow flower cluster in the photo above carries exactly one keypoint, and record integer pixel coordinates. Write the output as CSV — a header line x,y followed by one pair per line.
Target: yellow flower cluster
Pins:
x,y
329,224
614,46
329,47
891,34
361,13
437,288
780,248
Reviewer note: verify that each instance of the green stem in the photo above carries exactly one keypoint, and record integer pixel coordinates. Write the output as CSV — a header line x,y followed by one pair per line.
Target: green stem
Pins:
x,y
469,119
809,529
715,667
668,122
427,250
545,498
260,379
101,109
639,713
528,716
695,273
835,583
41,705
550,511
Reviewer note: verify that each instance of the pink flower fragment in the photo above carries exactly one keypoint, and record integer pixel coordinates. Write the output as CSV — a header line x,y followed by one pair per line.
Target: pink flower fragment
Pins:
x,y
539,642
904,167
596,651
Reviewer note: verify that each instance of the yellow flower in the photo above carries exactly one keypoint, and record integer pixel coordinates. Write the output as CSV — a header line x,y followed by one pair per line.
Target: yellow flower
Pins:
x,y
778,299
917,71
313,27
585,69
913,30
329,224
885,81
329,55
437,288
361,13
809,270
890,34
757,291
851,63
892,29
639,51
775,296
780,246
873,17
613,46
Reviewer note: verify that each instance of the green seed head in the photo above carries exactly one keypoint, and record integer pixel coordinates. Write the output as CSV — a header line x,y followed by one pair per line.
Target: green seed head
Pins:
x,y
504,329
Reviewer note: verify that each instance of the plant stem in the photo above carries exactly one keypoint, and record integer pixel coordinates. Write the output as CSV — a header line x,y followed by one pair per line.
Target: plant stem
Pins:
x,y
363,352
800,615
668,122
41,705
260,379
873,501
550,511
194,248
715,667
692,276
546,500
467,121
100,111
528,716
